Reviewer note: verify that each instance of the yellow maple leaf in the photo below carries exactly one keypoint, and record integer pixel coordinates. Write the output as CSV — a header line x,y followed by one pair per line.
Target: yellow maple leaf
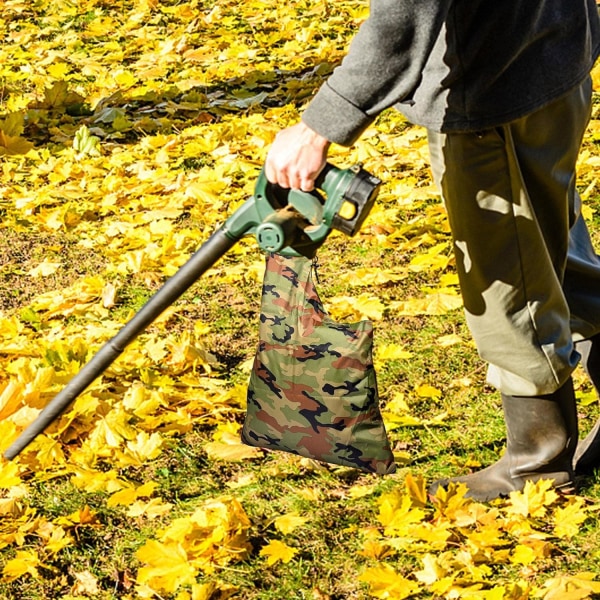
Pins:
x,y
364,306
11,145
9,474
124,497
11,398
432,570
568,519
431,260
534,500
311,494
151,509
228,446
416,488
422,536
428,391
110,431
227,431
145,446
58,70
385,582
55,537
448,340
59,95
523,555
45,268
587,398
216,533
141,400
24,562
83,516
47,452
375,550
231,452
10,505
373,276
93,480
241,480
449,279
397,404
86,584
287,523
200,591
278,551
129,494
450,501
397,514
208,591
392,352
361,490
166,566
438,303
124,78
13,123
572,587
587,211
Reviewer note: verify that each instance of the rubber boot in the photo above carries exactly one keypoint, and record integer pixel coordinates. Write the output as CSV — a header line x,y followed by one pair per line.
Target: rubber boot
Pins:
x,y
587,455
541,442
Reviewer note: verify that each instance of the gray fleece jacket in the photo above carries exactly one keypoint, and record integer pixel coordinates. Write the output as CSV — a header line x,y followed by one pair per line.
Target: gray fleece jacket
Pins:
x,y
457,65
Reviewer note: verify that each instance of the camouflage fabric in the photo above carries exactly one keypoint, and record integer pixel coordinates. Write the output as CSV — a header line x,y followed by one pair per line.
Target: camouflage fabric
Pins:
x,y
313,390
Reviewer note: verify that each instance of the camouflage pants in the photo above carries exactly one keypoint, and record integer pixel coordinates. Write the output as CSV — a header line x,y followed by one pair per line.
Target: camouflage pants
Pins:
x,y
529,276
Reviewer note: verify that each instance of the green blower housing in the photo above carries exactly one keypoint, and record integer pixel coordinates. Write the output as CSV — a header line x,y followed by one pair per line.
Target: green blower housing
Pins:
x,y
293,222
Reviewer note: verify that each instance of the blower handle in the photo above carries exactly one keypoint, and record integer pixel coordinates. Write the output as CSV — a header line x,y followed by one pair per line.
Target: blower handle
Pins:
x,y
293,222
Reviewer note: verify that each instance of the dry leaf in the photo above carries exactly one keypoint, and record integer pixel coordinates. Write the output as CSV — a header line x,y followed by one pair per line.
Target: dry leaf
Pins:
x,y
276,551
385,583
287,523
86,584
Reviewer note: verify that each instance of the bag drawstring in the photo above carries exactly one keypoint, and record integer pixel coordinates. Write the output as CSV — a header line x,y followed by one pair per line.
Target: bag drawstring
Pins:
x,y
315,268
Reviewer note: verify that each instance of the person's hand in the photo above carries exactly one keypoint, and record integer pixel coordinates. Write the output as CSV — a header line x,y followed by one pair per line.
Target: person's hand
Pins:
x,y
296,158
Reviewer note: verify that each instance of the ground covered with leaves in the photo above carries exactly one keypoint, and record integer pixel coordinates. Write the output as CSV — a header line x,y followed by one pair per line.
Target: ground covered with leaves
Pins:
x,y
129,131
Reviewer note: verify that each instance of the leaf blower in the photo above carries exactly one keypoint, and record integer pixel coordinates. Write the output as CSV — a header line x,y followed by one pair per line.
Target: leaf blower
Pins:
x,y
284,221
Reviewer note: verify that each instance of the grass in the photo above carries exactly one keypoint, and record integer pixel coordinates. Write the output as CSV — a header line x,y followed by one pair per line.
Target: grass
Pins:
x,y
329,544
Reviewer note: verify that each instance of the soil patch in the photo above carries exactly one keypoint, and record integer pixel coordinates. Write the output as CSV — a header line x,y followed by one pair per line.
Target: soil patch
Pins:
x,y
22,251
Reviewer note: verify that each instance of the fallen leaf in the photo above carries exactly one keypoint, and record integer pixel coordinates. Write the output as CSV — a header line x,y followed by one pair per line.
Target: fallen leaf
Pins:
x,y
384,582
287,523
86,584
276,551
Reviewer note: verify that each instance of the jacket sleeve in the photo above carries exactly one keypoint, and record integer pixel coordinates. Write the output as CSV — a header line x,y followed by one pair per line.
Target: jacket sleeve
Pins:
x,y
383,67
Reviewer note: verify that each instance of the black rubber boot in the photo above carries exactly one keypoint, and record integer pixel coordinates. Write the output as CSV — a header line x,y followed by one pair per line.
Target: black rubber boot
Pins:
x,y
541,442
587,455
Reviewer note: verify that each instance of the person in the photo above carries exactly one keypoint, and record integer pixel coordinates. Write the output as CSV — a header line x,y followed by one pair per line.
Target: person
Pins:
x,y
504,92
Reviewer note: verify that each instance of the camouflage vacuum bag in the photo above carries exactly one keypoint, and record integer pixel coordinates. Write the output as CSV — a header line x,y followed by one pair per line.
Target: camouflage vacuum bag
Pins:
x,y
313,389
